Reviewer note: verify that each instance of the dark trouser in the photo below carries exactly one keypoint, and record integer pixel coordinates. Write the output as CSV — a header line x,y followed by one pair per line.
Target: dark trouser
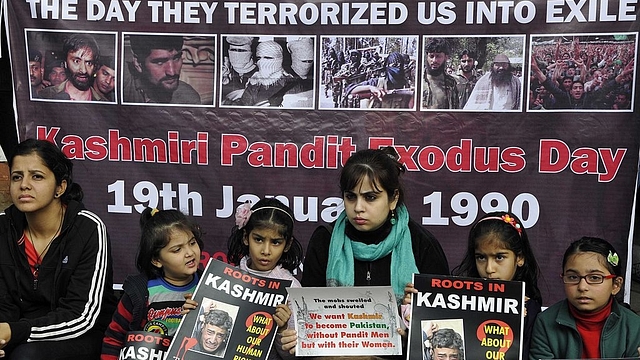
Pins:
x,y
86,347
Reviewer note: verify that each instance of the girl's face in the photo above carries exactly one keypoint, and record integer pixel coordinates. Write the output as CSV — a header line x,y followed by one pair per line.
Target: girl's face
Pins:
x,y
266,246
494,260
589,297
367,208
33,185
179,259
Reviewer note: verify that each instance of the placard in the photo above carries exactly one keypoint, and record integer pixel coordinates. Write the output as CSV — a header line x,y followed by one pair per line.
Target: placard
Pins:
x,y
234,317
473,318
346,320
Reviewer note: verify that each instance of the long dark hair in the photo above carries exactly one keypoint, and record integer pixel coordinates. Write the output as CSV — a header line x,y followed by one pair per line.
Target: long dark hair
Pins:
x,y
56,161
381,167
157,226
267,213
492,224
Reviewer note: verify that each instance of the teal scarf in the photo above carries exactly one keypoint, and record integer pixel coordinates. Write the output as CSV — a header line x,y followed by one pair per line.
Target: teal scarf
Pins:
x,y
342,251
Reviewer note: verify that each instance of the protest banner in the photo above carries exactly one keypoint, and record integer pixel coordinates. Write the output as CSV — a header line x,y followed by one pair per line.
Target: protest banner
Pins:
x,y
566,167
234,317
346,320
473,318
143,345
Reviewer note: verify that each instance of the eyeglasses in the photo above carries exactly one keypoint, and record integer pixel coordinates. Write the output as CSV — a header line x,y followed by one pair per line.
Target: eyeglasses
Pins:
x,y
591,279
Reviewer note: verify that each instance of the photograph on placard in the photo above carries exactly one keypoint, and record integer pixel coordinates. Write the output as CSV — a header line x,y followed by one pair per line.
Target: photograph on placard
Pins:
x,y
268,71
583,72
474,73
168,69
368,72
72,65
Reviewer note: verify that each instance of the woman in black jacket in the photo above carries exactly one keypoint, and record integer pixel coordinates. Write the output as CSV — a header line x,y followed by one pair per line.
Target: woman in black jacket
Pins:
x,y
373,242
56,281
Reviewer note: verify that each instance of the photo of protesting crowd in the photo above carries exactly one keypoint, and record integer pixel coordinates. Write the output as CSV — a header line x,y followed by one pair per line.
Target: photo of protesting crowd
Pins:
x,y
582,72
368,72
267,71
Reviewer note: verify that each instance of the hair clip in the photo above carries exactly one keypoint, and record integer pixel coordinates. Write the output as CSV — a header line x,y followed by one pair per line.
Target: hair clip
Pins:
x,y
512,221
243,213
613,258
154,211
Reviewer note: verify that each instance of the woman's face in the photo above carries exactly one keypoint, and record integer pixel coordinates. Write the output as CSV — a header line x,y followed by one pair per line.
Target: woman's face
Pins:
x,y
33,185
586,297
367,208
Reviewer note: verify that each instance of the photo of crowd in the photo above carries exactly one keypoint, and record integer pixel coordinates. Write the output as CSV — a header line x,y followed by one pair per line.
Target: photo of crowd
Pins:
x,y
582,72
472,73
368,72
267,71
68,66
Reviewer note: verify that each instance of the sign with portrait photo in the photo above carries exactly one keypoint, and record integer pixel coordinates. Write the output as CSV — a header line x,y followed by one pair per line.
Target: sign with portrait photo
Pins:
x,y
466,317
233,318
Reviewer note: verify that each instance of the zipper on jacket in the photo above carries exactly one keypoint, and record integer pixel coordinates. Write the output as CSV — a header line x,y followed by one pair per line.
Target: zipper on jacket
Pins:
x,y
368,273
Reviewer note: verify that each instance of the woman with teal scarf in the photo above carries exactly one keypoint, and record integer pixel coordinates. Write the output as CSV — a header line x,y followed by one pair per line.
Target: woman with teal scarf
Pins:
x,y
373,242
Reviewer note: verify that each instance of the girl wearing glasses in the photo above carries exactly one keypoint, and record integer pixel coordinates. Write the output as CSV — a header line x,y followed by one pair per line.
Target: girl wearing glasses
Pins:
x,y
590,323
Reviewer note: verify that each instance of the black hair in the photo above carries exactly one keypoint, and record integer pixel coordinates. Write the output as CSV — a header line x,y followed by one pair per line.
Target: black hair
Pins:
x,y
267,213
382,168
437,45
598,246
577,81
56,161
395,57
76,42
107,61
493,225
142,45
470,54
219,318
156,226
449,339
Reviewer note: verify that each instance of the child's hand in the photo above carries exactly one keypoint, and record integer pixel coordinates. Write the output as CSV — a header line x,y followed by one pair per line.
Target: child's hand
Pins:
x,y
189,304
405,308
289,340
282,316
526,298
408,290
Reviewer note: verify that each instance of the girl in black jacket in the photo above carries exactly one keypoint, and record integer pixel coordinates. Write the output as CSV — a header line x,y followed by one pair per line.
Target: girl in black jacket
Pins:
x,y
56,282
